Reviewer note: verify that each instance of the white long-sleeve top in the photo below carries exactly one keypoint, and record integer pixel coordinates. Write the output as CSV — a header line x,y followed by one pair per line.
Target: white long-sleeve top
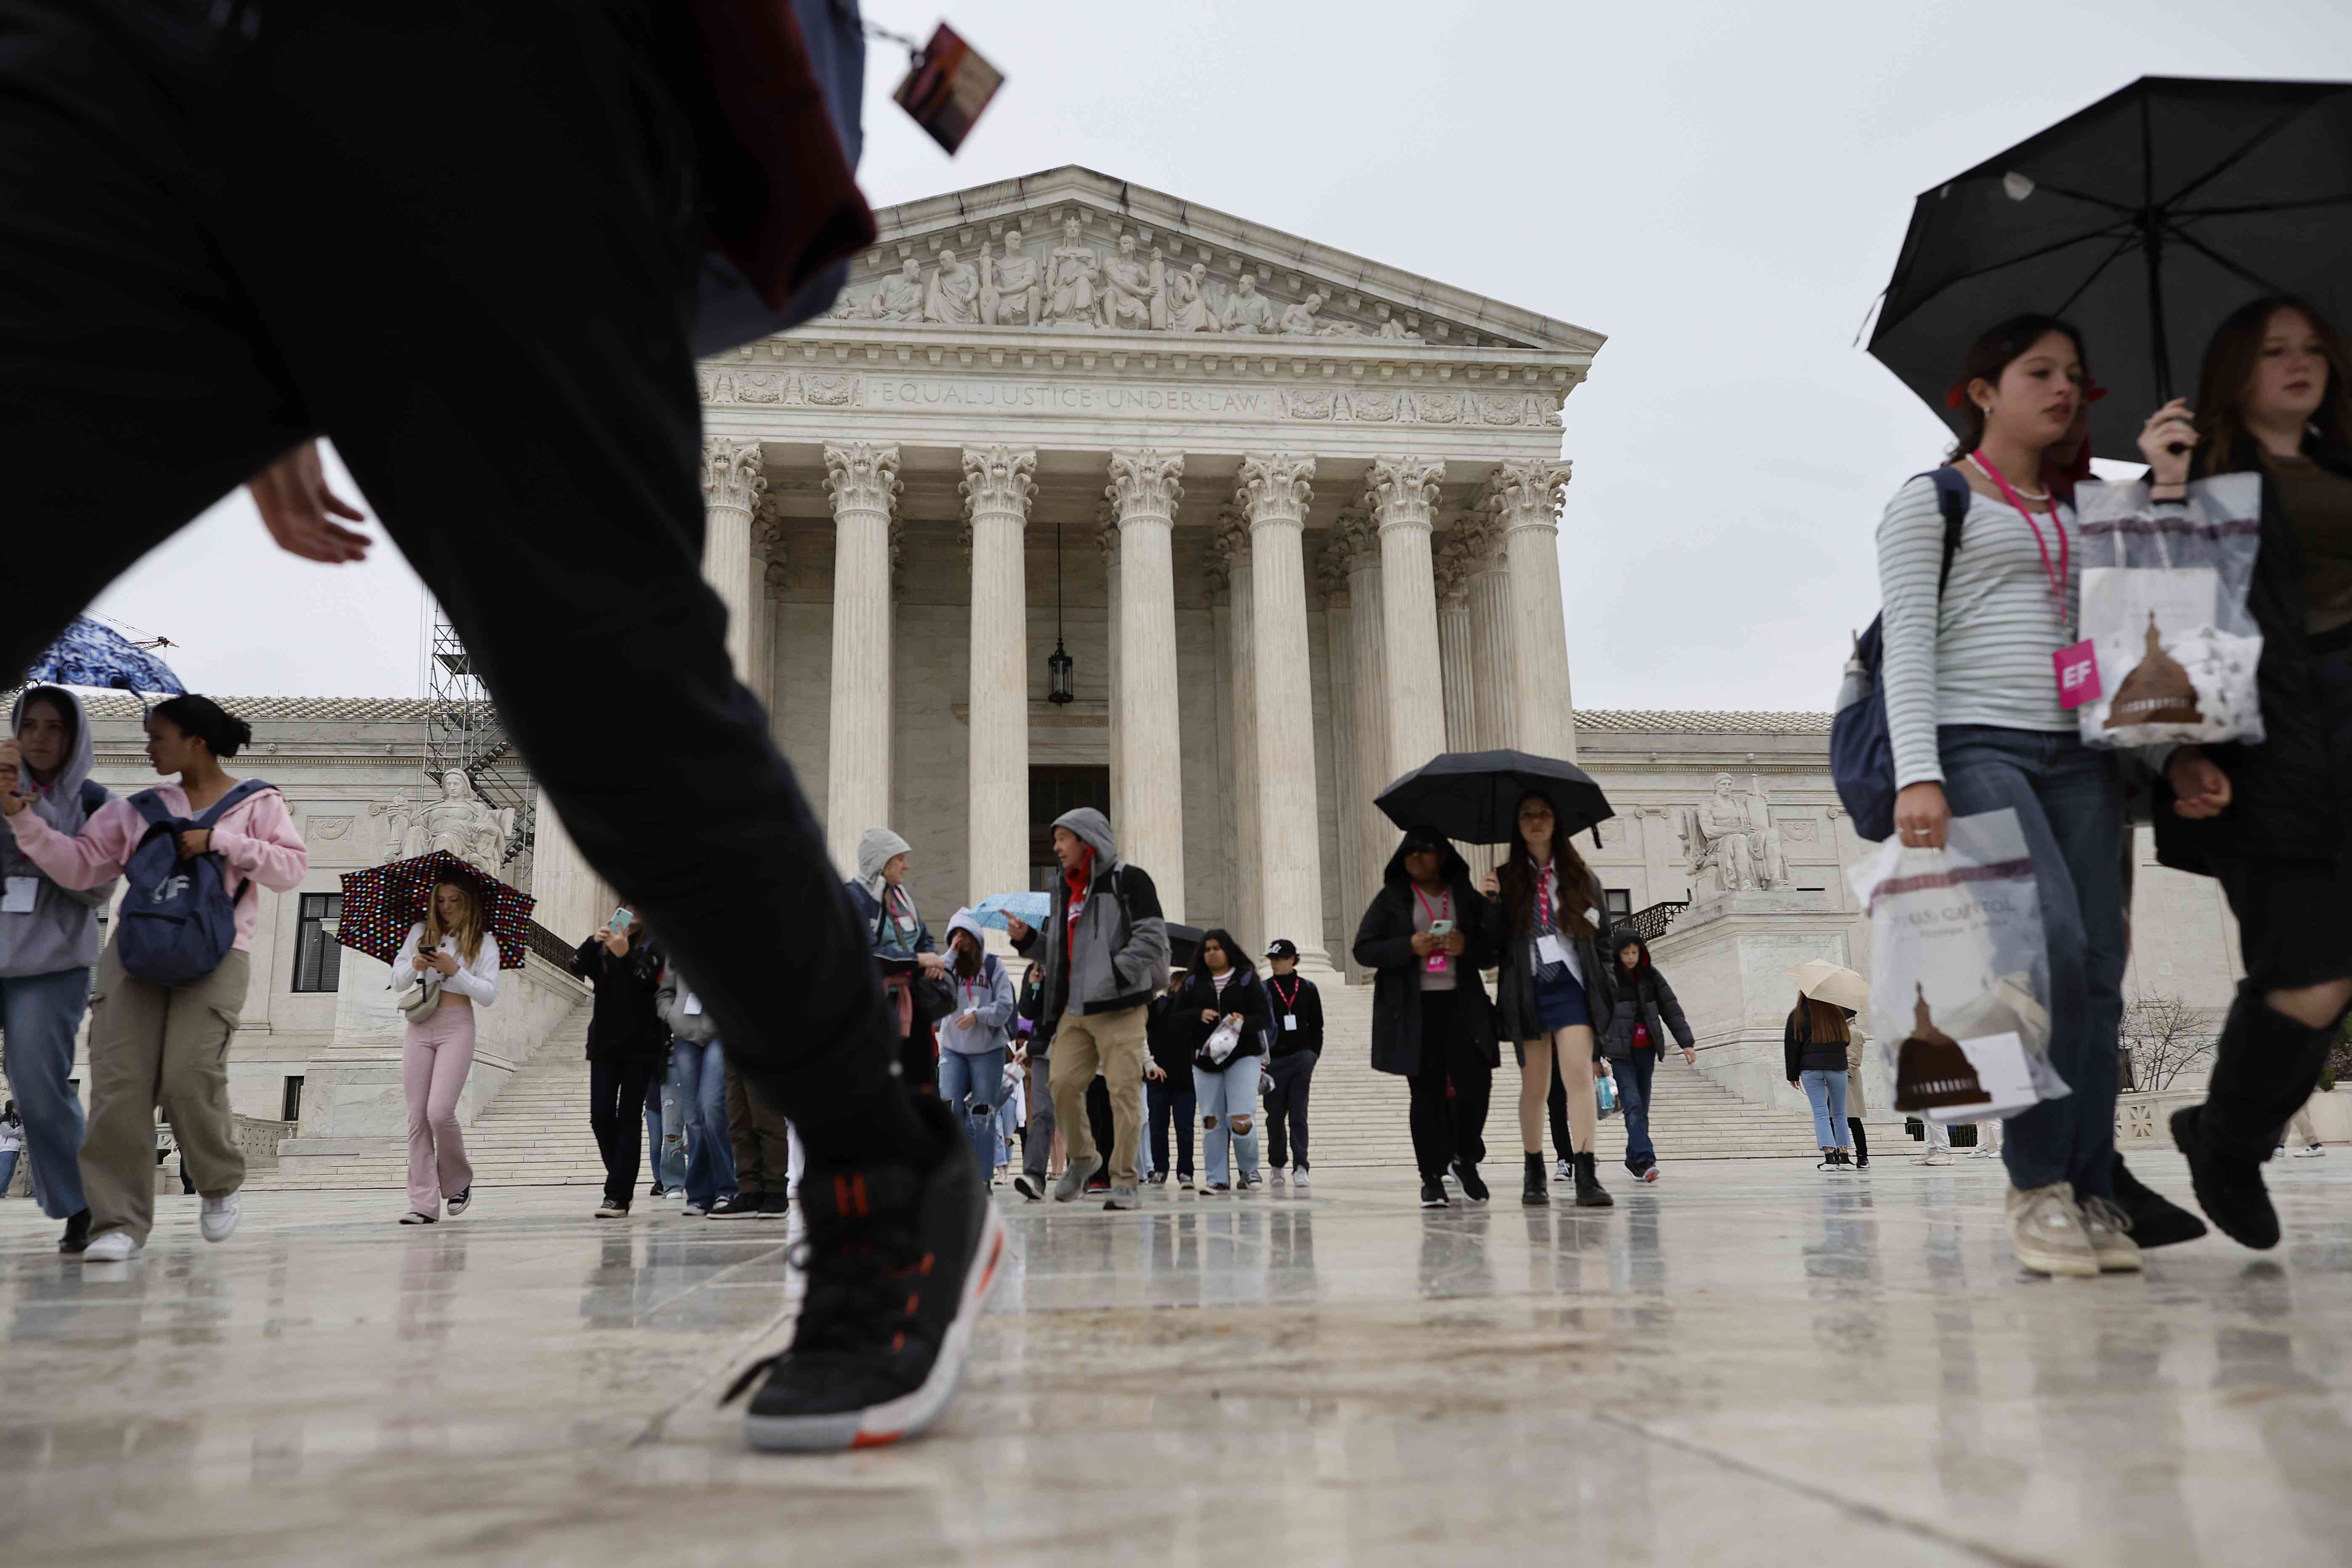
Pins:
x,y
477,981
1982,655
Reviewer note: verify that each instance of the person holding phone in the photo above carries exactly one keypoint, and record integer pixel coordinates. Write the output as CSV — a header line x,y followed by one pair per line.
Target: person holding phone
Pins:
x,y
1295,1045
627,1045
975,1039
452,951
1224,1008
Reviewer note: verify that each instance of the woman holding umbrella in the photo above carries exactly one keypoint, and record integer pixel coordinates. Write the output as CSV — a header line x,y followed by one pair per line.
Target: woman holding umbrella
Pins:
x,y
453,955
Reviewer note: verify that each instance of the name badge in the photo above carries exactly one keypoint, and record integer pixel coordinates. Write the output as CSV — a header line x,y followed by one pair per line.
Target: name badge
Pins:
x,y
1290,1023
19,899
1551,949
1437,964
2078,674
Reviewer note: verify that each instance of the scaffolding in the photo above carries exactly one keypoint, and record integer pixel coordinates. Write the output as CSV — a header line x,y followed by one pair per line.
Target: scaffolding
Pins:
x,y
463,731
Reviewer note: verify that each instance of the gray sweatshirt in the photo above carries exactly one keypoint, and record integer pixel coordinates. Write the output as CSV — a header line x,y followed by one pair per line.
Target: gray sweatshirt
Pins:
x,y
1114,954
60,931
987,995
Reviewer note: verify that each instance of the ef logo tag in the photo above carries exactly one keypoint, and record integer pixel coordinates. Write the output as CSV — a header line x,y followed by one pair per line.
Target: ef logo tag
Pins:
x,y
2078,674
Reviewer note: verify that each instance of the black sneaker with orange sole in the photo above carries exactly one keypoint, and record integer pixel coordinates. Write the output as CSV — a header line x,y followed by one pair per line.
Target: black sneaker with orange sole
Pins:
x,y
900,1264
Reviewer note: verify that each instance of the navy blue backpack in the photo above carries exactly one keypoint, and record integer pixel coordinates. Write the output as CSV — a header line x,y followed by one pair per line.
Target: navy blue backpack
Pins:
x,y
178,919
1862,752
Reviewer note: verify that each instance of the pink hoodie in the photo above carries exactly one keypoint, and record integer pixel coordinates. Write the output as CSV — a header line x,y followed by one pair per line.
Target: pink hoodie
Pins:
x,y
256,837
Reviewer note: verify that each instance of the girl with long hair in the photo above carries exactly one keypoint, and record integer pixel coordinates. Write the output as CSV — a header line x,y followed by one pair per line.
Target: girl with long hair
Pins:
x,y
2271,822
1813,1041
452,950
1220,990
1551,976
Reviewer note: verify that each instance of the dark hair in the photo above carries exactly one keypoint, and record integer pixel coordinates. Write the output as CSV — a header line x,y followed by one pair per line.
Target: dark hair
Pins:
x,y
1224,938
1824,1022
2228,370
1991,354
208,721
58,701
1517,878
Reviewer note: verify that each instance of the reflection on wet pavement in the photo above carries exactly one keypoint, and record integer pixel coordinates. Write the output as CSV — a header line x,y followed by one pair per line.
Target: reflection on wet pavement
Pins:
x,y
1746,1363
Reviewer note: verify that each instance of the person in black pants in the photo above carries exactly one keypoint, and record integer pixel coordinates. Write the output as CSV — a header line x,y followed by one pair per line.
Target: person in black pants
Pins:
x,y
1167,1097
628,1043
1294,1047
1427,934
500,340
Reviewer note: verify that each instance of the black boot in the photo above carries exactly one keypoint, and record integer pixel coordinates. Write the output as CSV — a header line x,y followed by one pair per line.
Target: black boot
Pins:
x,y
2264,1066
77,1236
1588,1192
2157,1221
1534,1192
1474,1187
2229,1190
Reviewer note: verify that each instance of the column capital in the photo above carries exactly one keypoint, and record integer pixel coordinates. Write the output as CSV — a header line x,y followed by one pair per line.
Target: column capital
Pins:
x,y
1107,530
1229,545
732,474
1401,491
1524,494
998,480
1143,485
773,580
1481,533
1333,566
862,476
1273,487
1452,561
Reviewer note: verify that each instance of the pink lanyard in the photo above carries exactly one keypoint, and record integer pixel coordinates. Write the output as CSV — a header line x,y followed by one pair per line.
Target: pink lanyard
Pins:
x,y
1289,1003
1445,910
2057,578
1543,900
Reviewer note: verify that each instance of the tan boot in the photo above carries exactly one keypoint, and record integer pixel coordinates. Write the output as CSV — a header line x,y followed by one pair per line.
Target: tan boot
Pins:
x,y
2047,1230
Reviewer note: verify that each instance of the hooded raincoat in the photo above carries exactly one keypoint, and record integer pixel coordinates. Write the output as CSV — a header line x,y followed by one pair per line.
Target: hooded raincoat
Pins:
x,y
59,930
1113,953
1384,944
987,996
1645,999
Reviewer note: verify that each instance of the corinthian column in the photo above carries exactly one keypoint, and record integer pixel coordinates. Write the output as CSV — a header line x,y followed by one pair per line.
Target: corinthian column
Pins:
x,y
1454,644
1346,785
1368,838
1399,494
1272,491
767,573
1494,705
1230,565
1525,500
732,488
1106,540
997,484
862,479
1144,488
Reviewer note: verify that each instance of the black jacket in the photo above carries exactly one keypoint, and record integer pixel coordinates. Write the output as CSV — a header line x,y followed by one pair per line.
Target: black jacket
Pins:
x,y
1799,1052
1384,944
1170,1043
2291,797
623,1025
1646,998
1515,975
1244,994
1306,1005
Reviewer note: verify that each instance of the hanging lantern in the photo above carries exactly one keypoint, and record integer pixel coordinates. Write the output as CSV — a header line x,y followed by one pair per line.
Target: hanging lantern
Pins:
x,y
1058,669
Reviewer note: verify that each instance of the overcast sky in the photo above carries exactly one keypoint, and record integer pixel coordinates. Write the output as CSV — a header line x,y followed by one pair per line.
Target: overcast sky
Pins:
x,y
1720,187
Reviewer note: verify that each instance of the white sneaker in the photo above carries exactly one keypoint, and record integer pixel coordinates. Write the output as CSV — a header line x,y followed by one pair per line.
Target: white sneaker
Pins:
x,y
2279,1153
1299,1179
114,1247
1276,1176
2046,1229
2108,1227
1934,1157
218,1220
1984,1151
2310,1152
1565,1172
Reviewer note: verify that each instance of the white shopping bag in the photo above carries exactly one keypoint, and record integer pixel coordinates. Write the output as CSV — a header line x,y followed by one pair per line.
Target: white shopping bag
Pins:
x,y
1959,974
2164,605
1224,1039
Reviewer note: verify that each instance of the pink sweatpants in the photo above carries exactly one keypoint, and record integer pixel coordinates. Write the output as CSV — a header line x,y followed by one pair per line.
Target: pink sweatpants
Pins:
x,y
433,1068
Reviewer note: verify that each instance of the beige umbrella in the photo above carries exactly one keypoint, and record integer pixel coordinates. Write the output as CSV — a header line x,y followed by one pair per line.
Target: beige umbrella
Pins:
x,y
1832,982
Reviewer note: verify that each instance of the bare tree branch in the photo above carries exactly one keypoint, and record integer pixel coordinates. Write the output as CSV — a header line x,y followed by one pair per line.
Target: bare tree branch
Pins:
x,y
2165,1036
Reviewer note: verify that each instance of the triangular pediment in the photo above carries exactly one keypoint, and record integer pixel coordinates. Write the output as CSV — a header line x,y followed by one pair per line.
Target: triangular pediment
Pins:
x,y
1075,251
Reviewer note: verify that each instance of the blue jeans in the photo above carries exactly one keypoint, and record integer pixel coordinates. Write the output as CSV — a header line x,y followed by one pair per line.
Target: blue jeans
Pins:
x,y
7,1169
700,1072
1223,1096
664,1128
1633,1076
971,1086
1171,1104
1826,1089
2071,806
38,1016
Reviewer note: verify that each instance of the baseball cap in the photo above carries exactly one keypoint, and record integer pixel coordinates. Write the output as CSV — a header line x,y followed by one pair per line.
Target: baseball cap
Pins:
x,y
1282,947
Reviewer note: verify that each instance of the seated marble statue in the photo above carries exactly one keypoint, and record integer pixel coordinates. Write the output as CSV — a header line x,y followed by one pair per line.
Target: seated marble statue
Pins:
x,y
1246,309
1188,309
954,292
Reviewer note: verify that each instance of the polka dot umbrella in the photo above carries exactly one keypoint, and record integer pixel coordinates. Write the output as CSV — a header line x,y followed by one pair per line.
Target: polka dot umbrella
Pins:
x,y
383,901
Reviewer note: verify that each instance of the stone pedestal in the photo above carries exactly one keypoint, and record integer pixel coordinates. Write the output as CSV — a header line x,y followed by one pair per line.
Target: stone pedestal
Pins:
x,y
1726,958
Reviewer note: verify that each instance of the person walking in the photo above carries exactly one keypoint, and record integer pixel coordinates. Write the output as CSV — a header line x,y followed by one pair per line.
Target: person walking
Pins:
x,y
903,943
167,335
1974,720
1035,1053
1168,1098
765,1152
664,1132
1224,1015
1426,934
1104,952
1813,1046
1550,985
1644,1011
453,953
155,1043
11,1139
697,1062
627,1045
1857,1054
49,946
2301,1137
977,1038
1295,1045
2272,823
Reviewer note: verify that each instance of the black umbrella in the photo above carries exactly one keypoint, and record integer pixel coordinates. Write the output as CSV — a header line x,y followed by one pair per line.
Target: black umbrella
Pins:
x,y
1183,943
2144,220
1472,797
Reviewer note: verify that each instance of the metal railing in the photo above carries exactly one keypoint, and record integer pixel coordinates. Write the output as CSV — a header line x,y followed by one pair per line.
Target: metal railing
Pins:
x,y
1651,923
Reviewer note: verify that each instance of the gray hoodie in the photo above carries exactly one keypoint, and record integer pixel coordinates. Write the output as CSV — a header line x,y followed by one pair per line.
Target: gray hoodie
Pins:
x,y
1118,944
987,995
696,1028
60,932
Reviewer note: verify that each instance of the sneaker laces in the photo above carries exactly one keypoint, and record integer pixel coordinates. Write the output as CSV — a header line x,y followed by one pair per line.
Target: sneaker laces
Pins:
x,y
858,1299
2106,1212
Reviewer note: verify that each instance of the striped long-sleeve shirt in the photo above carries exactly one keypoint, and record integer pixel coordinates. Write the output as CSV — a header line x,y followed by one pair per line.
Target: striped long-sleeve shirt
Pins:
x,y
1982,655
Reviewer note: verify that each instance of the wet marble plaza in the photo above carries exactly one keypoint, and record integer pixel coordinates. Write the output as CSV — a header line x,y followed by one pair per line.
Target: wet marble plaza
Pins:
x,y
1748,1363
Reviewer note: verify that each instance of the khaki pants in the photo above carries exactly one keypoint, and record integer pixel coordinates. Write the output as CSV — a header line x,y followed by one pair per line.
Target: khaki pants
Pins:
x,y
148,1046
758,1139
1111,1044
